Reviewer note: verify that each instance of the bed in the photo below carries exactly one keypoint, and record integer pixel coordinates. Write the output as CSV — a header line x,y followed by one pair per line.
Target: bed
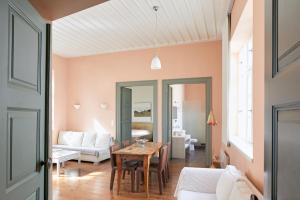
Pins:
x,y
142,130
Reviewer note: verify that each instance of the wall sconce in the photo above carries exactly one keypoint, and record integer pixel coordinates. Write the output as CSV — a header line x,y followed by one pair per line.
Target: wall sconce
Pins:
x,y
103,106
76,106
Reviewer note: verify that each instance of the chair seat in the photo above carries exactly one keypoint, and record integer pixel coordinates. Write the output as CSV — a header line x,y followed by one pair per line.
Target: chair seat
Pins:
x,y
130,163
154,160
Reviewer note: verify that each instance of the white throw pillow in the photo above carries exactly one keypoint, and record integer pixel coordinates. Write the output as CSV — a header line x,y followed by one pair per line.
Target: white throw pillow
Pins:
x,y
103,140
226,182
240,191
70,138
89,139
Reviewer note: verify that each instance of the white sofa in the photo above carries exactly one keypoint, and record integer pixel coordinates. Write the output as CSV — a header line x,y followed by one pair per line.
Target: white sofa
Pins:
x,y
214,184
93,147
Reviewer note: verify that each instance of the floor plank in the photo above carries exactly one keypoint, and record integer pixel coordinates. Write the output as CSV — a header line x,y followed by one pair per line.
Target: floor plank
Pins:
x,y
91,182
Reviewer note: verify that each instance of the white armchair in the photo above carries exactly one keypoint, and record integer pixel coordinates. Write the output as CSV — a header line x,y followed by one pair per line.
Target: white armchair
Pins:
x,y
195,183
214,184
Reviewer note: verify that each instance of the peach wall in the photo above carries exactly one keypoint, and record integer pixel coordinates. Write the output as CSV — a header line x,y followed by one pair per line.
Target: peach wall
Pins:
x,y
92,81
59,95
254,169
236,12
195,92
194,111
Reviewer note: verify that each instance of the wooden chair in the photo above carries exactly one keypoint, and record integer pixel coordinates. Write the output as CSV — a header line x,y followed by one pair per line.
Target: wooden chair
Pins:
x,y
155,161
125,143
127,166
168,161
160,169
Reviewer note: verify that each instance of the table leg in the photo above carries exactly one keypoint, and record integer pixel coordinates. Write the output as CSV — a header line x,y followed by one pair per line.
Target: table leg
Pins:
x,y
119,165
57,168
146,173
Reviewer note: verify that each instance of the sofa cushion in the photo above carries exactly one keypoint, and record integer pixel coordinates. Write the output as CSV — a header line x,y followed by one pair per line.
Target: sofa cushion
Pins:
x,y
83,150
70,138
240,191
103,140
188,195
226,182
89,139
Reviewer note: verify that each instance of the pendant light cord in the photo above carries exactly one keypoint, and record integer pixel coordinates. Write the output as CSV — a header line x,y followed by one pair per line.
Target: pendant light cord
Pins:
x,y
155,8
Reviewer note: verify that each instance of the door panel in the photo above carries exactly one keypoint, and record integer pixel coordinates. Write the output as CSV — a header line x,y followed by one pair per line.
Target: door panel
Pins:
x,y
22,105
288,33
24,50
126,113
282,106
288,144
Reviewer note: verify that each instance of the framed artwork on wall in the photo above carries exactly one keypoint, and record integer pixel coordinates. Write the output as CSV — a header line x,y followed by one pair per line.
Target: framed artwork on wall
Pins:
x,y
142,112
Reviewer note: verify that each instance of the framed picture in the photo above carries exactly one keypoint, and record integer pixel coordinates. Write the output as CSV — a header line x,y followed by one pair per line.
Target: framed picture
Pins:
x,y
142,112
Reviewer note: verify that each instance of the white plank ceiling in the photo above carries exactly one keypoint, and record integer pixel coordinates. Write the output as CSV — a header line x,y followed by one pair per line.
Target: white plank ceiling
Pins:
x,y
122,25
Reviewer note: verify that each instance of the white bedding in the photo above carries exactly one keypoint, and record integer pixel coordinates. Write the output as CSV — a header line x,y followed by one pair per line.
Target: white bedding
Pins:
x,y
140,132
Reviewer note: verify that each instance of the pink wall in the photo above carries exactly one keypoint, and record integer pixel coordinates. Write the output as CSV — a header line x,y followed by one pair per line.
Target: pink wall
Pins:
x,y
254,169
92,80
195,92
236,12
194,111
59,95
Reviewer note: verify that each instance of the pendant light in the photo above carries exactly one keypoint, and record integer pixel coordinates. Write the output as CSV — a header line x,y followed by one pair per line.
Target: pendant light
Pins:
x,y
155,63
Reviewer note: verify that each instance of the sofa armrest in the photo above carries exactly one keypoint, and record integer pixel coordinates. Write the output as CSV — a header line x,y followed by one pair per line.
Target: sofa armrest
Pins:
x,y
202,180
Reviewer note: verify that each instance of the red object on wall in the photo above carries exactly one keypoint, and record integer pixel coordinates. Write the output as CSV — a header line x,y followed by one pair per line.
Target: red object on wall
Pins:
x,y
211,119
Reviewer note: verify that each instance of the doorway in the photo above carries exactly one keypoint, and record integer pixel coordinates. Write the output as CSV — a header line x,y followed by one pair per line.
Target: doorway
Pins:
x,y
181,111
136,109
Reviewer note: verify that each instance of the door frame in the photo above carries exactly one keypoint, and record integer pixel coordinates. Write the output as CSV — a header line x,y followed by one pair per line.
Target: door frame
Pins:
x,y
48,114
207,81
119,85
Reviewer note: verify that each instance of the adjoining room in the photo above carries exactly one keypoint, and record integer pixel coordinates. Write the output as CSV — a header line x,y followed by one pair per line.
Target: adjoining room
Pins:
x,y
189,121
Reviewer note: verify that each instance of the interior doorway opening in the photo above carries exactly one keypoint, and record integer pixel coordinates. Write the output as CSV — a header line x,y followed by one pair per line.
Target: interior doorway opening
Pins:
x,y
186,106
136,111
188,122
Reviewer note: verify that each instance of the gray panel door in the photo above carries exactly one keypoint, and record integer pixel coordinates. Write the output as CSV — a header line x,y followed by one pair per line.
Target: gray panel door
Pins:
x,y
282,129
126,114
170,122
22,104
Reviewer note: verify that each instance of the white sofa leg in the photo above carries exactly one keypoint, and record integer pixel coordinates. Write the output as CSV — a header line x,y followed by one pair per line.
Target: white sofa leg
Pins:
x,y
96,163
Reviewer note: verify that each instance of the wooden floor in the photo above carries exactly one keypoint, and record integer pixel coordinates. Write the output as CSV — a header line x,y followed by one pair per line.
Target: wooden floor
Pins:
x,y
91,182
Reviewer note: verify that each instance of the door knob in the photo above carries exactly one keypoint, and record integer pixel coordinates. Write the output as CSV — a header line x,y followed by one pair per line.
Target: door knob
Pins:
x,y
46,163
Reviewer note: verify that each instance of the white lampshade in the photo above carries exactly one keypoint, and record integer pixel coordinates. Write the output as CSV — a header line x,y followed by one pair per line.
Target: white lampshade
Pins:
x,y
155,64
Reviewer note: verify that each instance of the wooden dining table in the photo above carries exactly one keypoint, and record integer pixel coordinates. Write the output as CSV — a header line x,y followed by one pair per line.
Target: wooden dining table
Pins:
x,y
137,152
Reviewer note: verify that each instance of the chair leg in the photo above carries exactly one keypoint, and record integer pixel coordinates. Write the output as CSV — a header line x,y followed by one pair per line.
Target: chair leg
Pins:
x,y
112,178
138,181
168,171
159,182
132,180
163,178
124,172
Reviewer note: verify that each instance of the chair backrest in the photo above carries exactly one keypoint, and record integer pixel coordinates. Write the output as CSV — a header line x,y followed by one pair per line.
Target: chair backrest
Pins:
x,y
113,148
125,143
163,157
169,150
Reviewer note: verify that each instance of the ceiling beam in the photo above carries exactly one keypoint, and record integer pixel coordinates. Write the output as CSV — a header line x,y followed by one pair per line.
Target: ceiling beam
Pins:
x,y
55,9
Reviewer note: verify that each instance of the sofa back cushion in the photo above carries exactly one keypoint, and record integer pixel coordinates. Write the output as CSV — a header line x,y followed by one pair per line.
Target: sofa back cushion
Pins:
x,y
240,191
226,182
70,138
89,139
103,140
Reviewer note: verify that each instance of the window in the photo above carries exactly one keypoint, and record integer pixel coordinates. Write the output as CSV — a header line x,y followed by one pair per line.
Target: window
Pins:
x,y
241,98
